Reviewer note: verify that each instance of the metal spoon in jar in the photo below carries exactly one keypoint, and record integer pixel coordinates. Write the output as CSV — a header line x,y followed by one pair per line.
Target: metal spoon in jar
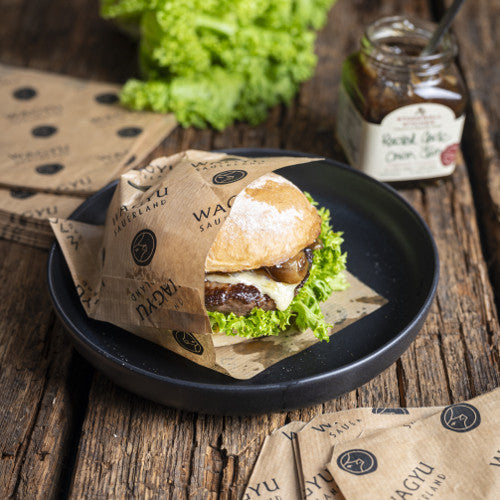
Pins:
x,y
442,28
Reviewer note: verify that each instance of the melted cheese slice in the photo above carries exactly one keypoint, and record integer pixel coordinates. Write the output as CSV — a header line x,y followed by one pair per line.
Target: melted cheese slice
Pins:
x,y
281,293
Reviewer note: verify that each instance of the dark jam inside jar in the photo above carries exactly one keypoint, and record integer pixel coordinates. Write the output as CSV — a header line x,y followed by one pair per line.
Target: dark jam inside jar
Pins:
x,y
388,72
400,114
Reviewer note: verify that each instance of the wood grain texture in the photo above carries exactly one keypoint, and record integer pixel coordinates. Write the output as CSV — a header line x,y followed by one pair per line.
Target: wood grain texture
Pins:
x,y
129,447
463,316
36,410
476,30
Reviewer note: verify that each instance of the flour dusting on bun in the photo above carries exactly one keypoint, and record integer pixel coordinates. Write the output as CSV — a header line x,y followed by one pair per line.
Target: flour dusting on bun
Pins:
x,y
270,221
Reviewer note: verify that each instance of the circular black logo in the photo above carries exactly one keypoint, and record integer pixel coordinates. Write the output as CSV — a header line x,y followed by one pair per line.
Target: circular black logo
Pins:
x,y
21,194
49,168
44,131
129,131
106,98
24,93
357,462
143,247
228,176
188,341
461,417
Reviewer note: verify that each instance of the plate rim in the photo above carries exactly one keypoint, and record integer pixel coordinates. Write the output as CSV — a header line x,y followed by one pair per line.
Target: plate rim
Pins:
x,y
232,386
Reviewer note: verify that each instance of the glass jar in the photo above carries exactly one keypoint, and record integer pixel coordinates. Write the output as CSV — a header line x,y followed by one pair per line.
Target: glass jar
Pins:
x,y
400,115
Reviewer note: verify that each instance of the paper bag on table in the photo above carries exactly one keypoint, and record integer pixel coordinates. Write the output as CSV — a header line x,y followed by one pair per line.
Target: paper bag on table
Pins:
x,y
71,136
144,270
274,474
316,440
454,453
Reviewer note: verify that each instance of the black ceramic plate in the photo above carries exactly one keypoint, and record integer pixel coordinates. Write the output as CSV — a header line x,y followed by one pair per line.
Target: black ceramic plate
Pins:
x,y
389,248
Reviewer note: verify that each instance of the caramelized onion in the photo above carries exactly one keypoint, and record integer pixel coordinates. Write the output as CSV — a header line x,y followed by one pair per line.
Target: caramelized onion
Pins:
x,y
292,270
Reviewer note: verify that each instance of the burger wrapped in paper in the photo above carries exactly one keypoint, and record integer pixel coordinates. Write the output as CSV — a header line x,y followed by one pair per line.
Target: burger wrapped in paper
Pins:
x,y
203,252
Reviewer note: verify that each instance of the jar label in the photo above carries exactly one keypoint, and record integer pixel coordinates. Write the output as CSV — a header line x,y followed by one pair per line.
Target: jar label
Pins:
x,y
417,141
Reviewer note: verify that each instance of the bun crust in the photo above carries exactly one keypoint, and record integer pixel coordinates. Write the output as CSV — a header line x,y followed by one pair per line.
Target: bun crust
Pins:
x,y
270,221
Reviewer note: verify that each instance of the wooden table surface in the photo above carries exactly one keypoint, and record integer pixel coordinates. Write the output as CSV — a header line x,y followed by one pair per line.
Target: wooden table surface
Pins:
x,y
67,430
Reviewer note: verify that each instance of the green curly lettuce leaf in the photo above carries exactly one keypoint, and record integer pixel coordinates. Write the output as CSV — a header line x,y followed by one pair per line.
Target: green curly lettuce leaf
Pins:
x,y
304,312
195,54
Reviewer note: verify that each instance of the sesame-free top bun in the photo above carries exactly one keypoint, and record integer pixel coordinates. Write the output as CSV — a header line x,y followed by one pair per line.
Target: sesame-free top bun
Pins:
x,y
270,221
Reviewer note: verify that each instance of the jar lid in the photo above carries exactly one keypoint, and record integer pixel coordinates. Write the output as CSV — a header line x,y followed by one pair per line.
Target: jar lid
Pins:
x,y
398,41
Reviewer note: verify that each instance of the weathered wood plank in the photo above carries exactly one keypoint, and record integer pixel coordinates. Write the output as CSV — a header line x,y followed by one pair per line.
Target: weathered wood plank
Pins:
x,y
56,431
38,376
132,447
451,359
36,415
476,29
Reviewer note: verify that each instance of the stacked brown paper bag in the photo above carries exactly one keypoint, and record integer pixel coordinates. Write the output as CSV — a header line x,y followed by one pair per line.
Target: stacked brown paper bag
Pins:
x,y
309,446
275,474
387,453
318,437
67,137
144,270
453,453
24,215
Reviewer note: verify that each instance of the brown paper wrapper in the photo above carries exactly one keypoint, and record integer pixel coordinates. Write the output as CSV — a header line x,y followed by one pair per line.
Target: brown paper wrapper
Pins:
x,y
316,440
24,215
274,474
292,461
144,270
65,135
454,453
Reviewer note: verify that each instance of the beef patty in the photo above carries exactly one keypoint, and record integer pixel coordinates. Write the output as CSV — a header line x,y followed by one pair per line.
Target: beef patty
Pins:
x,y
240,299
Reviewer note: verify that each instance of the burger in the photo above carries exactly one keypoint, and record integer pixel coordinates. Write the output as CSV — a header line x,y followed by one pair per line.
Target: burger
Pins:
x,y
274,260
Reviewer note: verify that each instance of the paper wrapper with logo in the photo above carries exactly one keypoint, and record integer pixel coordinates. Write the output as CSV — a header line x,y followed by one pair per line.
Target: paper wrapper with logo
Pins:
x,y
62,139
292,461
71,136
144,270
315,441
274,474
447,452
453,453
